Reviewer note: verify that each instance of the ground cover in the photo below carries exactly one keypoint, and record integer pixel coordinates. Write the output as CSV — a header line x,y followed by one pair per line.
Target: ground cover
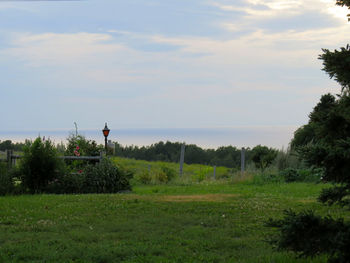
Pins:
x,y
191,172
202,222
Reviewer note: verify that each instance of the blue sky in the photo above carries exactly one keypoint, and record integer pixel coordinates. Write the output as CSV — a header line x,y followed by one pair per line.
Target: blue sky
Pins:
x,y
164,63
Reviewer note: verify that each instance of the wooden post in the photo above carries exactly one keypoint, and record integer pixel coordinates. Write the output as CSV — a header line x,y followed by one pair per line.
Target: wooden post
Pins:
x,y
9,158
214,172
182,158
242,160
101,156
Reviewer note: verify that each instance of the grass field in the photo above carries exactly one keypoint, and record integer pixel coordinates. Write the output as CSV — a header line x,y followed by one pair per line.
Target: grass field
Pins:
x,y
203,222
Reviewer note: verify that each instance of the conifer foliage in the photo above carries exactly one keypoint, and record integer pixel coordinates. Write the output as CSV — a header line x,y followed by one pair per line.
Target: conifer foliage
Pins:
x,y
324,143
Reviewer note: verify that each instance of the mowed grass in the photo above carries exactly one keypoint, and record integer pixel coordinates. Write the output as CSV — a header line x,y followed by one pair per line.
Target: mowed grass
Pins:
x,y
159,223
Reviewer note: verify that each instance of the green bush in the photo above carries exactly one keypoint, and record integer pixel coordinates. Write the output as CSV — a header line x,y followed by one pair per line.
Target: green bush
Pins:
x,y
144,177
6,180
70,183
161,177
303,175
106,177
310,235
290,175
266,178
40,165
169,172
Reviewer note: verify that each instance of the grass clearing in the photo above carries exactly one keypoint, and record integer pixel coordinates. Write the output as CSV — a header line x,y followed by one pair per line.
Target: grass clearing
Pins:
x,y
207,222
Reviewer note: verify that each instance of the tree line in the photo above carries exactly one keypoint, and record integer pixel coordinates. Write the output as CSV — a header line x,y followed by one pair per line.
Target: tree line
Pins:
x,y
228,156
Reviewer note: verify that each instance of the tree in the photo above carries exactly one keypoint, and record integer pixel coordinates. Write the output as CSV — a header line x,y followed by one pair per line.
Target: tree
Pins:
x,y
40,165
263,156
325,143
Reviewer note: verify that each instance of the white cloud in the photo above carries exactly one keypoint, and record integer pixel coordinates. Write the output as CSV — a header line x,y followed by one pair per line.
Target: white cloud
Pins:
x,y
56,49
267,9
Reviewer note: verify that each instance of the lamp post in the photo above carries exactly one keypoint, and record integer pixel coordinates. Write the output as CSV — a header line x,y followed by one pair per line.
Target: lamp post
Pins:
x,y
105,133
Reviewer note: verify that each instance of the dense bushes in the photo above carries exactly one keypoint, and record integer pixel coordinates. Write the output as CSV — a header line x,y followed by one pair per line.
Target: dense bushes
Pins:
x,y
302,175
6,180
163,175
104,177
42,171
310,235
40,165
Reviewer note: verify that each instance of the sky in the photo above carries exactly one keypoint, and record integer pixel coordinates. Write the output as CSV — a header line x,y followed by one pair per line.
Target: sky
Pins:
x,y
163,64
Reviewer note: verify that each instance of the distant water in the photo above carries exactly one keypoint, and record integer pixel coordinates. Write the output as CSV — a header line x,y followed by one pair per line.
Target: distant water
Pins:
x,y
278,136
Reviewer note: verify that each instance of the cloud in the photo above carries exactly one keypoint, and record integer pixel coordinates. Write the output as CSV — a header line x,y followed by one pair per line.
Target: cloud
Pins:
x,y
54,48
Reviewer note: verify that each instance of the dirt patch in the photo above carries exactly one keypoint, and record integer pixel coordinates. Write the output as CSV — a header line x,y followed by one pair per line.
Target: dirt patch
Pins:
x,y
196,198
306,201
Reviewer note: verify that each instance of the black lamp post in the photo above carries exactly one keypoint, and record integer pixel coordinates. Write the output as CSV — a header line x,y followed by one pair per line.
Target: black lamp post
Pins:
x,y
105,133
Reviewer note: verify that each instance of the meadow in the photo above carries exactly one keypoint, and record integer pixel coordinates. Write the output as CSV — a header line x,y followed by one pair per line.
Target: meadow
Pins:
x,y
181,221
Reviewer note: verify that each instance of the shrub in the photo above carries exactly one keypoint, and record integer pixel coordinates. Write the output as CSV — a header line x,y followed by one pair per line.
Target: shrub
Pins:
x,y
106,177
161,177
169,172
144,177
310,235
71,183
290,175
6,180
266,178
40,165
86,147
304,175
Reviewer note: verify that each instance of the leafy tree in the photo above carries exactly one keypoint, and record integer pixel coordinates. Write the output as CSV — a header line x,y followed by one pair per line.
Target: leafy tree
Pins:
x,y
325,143
263,156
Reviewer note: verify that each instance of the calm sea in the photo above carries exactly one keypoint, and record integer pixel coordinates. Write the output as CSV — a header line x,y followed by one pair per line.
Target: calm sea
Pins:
x,y
278,136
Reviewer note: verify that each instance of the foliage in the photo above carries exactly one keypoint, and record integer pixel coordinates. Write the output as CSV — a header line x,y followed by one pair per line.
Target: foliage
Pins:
x,y
337,65
69,183
40,165
288,159
9,145
335,195
146,172
144,177
267,178
263,156
302,175
106,177
344,3
310,235
324,143
228,156
329,147
6,180
86,147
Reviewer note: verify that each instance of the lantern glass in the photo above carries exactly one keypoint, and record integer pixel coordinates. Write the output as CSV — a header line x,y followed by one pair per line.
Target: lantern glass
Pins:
x,y
105,131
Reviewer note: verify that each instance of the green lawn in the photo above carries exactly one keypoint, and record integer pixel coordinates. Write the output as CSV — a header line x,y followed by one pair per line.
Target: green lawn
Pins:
x,y
208,222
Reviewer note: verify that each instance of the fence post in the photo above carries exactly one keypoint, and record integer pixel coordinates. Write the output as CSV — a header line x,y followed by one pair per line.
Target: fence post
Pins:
x,y
214,172
242,160
182,158
9,158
